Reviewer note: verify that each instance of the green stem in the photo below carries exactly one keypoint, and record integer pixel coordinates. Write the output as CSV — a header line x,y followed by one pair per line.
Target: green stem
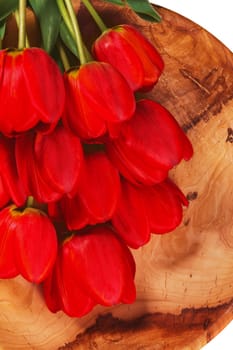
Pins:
x,y
30,202
63,56
16,14
87,54
65,16
77,33
98,20
22,24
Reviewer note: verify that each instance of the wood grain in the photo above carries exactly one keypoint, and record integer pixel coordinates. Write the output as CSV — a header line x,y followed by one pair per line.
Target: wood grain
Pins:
x,y
184,279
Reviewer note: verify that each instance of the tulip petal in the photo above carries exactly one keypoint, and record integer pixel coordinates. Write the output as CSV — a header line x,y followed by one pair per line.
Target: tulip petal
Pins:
x,y
164,206
9,173
129,294
76,302
99,187
31,173
152,61
59,157
47,95
130,217
4,195
8,268
133,167
75,214
61,289
35,244
51,292
79,116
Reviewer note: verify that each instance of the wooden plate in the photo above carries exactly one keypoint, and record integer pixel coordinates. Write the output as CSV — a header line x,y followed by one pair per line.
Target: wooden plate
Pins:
x,y
184,279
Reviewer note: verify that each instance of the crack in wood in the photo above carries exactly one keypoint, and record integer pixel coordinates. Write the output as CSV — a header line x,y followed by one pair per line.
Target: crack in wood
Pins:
x,y
188,75
115,330
229,135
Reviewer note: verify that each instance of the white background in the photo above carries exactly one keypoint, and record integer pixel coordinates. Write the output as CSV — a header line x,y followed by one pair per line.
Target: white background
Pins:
x,y
216,17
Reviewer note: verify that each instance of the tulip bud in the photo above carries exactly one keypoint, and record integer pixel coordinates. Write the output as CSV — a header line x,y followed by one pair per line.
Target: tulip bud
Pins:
x,y
31,90
103,264
150,144
143,210
96,94
125,48
31,243
93,267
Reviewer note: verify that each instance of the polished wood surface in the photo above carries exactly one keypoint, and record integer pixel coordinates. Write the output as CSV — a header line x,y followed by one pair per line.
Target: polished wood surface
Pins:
x,y
184,279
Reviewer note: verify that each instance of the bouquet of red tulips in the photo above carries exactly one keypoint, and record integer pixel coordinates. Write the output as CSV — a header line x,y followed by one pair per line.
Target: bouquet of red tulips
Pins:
x,y
84,162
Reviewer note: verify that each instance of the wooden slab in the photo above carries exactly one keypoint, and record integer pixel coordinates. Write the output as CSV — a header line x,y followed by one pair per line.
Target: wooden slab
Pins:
x,y
184,279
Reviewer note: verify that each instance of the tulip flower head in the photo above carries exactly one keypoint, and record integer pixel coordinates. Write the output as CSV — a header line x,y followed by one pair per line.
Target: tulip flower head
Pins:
x,y
153,209
28,244
149,145
96,95
102,266
131,54
31,91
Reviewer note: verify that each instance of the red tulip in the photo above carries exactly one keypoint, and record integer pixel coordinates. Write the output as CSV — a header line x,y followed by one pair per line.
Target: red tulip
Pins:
x,y
97,193
30,246
49,164
92,267
96,95
31,90
143,210
11,185
149,145
131,54
104,266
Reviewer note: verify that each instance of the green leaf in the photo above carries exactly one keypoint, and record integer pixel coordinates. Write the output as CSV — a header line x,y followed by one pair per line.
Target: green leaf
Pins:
x,y
68,39
56,56
7,7
49,18
2,28
142,7
117,2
